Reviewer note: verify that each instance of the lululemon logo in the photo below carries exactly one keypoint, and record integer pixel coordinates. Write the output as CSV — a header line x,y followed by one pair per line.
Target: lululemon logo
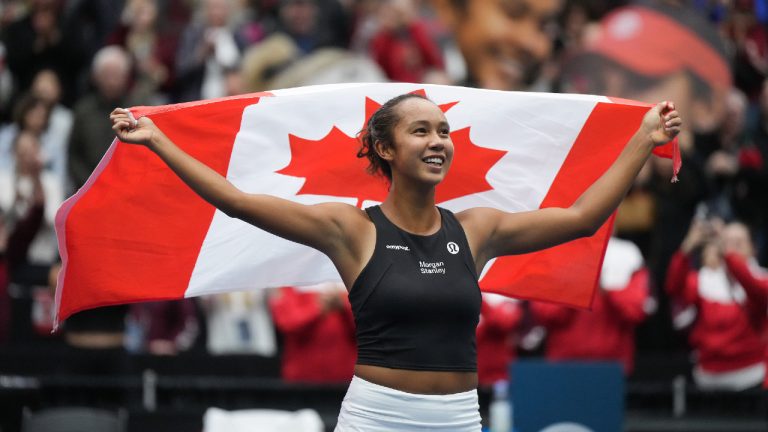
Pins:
x,y
453,248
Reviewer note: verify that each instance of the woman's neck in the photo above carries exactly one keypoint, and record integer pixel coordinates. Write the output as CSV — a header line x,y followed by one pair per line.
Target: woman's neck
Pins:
x,y
412,209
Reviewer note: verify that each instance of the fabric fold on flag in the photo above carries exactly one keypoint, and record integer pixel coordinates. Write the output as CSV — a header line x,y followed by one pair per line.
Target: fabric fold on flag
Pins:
x,y
135,232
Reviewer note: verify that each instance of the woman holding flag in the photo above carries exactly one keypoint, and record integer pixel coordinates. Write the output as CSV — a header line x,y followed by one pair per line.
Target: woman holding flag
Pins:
x,y
411,268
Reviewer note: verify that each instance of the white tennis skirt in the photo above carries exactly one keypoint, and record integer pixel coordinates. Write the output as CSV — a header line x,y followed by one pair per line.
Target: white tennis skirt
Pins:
x,y
371,407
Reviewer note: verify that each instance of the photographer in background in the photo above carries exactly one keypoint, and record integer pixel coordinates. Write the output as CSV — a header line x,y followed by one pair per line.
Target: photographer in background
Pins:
x,y
728,332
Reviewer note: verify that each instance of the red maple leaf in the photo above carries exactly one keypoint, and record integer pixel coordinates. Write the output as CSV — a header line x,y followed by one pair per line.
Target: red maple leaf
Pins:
x,y
331,167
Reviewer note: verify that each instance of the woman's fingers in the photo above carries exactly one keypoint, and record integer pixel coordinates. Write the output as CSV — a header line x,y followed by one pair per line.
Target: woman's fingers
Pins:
x,y
674,123
118,112
122,114
120,125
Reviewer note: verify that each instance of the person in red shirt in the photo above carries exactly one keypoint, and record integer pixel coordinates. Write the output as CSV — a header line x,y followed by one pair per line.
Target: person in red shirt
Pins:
x,y
402,46
607,332
318,333
729,331
755,287
499,318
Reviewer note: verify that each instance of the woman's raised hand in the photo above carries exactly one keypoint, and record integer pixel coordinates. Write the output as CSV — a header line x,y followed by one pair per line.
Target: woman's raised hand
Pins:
x,y
129,130
661,123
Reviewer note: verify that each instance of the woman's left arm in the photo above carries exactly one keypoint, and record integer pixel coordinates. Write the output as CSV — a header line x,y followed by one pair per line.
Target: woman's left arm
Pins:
x,y
493,233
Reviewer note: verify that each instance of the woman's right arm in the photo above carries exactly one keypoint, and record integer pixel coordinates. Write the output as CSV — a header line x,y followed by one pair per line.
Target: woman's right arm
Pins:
x,y
319,226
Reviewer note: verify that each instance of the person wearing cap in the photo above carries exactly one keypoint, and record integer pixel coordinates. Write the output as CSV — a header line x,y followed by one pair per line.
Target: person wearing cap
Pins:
x,y
642,52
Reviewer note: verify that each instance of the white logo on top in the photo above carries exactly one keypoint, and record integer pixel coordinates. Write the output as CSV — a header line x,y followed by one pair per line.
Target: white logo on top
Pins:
x,y
453,248
437,267
398,247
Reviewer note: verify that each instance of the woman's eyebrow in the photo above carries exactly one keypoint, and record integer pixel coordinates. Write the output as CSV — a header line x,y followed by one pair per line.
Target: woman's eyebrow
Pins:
x,y
427,123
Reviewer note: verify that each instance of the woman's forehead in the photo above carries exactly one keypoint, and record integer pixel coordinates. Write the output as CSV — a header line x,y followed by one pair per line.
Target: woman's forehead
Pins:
x,y
417,109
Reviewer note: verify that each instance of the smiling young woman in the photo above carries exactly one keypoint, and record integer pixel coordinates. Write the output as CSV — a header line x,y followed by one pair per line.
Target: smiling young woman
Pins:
x,y
411,268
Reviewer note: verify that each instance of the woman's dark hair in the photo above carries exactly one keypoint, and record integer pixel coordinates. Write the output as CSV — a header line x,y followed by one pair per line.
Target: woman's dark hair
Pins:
x,y
380,127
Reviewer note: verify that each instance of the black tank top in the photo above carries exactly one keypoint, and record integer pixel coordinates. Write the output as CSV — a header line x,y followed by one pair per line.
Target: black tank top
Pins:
x,y
417,301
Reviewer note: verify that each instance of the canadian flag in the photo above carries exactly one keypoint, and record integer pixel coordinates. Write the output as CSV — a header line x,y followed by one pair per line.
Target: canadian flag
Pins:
x,y
136,232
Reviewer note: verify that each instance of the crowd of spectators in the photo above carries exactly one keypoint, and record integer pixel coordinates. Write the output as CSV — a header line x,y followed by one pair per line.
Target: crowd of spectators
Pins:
x,y
686,258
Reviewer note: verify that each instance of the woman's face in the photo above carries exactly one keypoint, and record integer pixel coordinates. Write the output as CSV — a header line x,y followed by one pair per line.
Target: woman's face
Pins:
x,y
46,86
422,148
36,118
145,14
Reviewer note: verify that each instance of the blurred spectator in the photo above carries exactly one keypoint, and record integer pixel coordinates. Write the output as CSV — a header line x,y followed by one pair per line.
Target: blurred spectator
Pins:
x,y
759,166
305,50
253,25
208,48
313,24
278,63
31,120
6,85
91,135
502,43
5,299
40,113
318,333
735,168
607,332
497,338
755,283
55,35
28,192
750,40
35,41
11,10
300,20
239,323
152,48
90,22
233,82
30,115
328,66
162,328
26,216
47,86
265,60
728,334
402,46
579,19
761,132
175,14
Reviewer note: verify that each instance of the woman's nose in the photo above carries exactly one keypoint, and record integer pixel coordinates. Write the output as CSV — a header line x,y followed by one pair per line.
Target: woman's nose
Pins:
x,y
437,142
